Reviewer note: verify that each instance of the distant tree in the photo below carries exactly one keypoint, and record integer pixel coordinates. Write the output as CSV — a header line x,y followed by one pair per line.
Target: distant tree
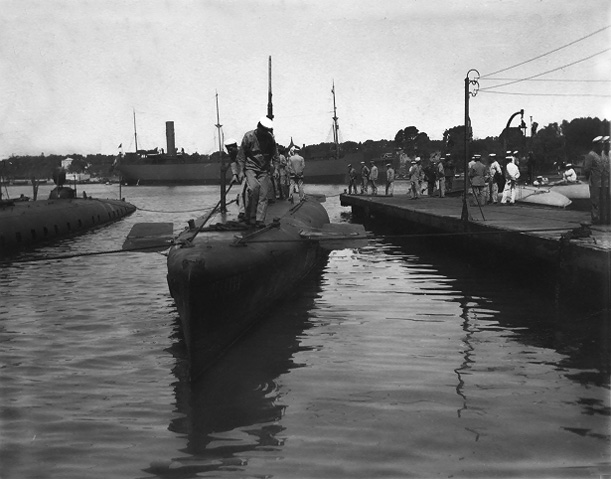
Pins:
x,y
349,146
548,148
413,142
578,135
78,165
454,141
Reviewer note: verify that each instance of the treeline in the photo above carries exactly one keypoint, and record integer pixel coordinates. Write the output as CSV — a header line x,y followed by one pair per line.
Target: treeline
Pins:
x,y
556,143
567,142
42,166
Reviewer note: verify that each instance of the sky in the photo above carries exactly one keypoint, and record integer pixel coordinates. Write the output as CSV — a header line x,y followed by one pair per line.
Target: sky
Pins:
x,y
75,73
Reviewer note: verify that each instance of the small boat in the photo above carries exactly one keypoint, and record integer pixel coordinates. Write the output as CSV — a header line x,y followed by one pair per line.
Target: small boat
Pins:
x,y
541,196
578,193
28,223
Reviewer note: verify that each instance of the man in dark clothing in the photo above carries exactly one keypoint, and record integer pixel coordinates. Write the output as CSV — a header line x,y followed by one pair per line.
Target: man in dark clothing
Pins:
x,y
237,177
449,171
255,157
478,174
351,180
596,170
364,178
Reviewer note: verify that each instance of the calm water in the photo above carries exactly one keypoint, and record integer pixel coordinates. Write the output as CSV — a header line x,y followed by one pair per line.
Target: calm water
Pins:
x,y
392,361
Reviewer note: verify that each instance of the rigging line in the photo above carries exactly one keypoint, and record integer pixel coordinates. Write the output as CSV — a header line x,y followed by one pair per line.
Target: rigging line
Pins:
x,y
331,239
545,54
175,211
550,94
551,80
548,71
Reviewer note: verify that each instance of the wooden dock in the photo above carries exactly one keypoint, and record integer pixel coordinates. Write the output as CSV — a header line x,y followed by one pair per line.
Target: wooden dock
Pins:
x,y
573,255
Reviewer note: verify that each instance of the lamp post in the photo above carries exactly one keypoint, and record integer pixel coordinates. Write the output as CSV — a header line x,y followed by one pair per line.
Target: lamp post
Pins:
x,y
471,89
507,130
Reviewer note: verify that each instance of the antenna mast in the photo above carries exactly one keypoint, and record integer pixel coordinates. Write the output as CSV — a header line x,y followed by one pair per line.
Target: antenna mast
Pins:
x,y
135,134
270,107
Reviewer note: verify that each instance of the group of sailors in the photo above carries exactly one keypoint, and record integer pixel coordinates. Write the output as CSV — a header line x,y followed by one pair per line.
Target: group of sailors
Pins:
x,y
489,179
368,179
264,173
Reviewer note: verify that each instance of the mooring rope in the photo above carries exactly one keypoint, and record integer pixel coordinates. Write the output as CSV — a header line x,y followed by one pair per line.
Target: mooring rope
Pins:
x,y
166,245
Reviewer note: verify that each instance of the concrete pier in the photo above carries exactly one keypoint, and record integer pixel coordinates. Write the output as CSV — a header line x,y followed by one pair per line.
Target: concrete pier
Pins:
x,y
560,244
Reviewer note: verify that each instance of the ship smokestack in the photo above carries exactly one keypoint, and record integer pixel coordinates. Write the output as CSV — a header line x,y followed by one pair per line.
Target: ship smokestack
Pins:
x,y
169,134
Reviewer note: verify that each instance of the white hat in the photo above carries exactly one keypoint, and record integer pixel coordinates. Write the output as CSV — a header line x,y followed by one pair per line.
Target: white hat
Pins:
x,y
230,141
417,159
605,139
265,122
569,165
597,139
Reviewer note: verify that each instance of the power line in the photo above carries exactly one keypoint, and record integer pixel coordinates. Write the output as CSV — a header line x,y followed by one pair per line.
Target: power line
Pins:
x,y
548,71
548,94
545,54
551,80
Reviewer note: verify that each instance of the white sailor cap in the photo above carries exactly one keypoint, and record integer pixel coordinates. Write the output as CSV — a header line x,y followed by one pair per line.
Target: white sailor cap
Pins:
x,y
265,122
598,139
230,141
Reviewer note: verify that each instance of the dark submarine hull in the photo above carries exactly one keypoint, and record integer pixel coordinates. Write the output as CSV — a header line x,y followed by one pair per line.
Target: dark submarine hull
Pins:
x,y
223,282
25,224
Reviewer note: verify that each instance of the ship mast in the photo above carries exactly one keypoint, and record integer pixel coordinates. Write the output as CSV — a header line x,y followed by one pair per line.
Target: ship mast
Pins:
x,y
270,106
135,134
335,125
219,126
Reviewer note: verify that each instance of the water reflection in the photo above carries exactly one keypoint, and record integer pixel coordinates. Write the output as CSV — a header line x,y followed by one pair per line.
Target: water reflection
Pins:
x,y
467,352
236,405
493,302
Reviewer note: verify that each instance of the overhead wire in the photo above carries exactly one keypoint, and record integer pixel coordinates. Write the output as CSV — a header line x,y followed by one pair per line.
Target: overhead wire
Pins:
x,y
545,54
553,80
545,72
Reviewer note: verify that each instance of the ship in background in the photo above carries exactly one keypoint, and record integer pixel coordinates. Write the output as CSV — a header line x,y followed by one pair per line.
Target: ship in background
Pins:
x,y
326,163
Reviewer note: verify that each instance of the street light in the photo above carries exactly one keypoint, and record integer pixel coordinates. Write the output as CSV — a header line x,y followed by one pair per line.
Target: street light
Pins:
x,y
471,89
507,128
